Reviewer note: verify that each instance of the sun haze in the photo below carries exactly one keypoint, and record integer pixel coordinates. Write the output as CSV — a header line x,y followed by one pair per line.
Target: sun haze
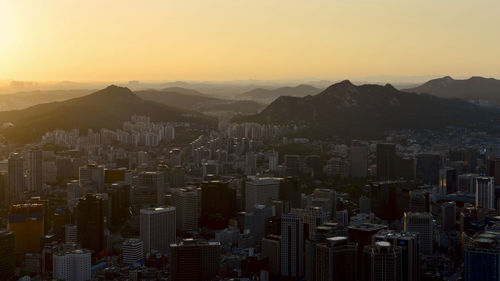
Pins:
x,y
236,39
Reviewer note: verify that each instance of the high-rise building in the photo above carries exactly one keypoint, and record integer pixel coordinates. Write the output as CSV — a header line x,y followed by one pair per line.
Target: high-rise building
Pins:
x,y
419,202
155,180
261,191
311,217
428,165
92,175
485,192
292,246
365,205
386,161
63,168
157,228
177,177
467,183
326,199
482,257
7,258
408,242
35,170
290,191
114,175
382,262
448,216
16,178
187,208
359,159
27,222
271,249
71,233
447,180
133,250
218,204
292,163
421,223
194,260
120,203
72,265
493,168
91,211
336,260
361,234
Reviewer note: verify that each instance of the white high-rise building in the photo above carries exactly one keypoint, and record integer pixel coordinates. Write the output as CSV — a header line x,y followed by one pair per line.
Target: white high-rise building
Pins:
x,y
485,192
73,265
35,170
292,246
157,228
187,208
133,250
260,191
422,224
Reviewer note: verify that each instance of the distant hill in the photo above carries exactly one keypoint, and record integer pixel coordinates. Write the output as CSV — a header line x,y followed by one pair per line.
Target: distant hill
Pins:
x,y
367,111
22,100
267,95
184,91
243,107
188,99
107,108
474,88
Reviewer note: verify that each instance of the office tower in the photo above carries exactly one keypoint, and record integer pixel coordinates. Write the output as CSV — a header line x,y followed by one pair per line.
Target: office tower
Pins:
x,y
421,223
448,216
408,242
386,161
133,251
273,226
114,175
482,257
361,234
390,199
311,217
177,177
292,246
157,228
382,262
447,180
16,178
292,163
169,133
405,167
419,201
493,168
71,233
175,157
290,191
4,188
254,221
91,211
271,249
359,159
326,199
313,162
155,180
35,170
187,208
485,192
365,205
428,165
336,260
194,260
7,258
63,168
273,161
467,183
119,192
143,196
218,204
27,222
72,265
260,191
92,175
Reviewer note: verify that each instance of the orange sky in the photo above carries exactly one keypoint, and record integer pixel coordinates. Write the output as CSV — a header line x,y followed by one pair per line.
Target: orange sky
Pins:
x,y
49,40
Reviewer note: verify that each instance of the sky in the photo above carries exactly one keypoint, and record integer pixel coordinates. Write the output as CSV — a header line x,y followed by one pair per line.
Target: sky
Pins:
x,y
167,40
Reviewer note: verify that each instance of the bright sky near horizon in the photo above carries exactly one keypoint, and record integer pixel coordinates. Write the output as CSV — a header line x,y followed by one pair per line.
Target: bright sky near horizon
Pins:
x,y
49,40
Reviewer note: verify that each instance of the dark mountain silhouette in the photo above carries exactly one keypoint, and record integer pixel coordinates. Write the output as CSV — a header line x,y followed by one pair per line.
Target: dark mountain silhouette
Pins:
x,y
344,109
107,108
242,107
267,95
184,91
177,99
474,88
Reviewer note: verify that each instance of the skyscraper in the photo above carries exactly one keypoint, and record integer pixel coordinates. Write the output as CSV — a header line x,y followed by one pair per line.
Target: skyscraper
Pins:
x,y
92,175
428,165
421,223
271,249
336,260
290,191
133,250
382,262
90,222
187,208
27,222
194,260
218,204
157,228
260,191
292,246
482,257
16,177
72,265
485,192
448,216
35,170
386,161
7,258
359,159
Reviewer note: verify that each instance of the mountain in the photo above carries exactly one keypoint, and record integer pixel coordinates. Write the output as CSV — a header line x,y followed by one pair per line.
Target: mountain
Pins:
x,y
367,111
22,100
184,91
242,107
107,108
474,88
181,100
267,95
